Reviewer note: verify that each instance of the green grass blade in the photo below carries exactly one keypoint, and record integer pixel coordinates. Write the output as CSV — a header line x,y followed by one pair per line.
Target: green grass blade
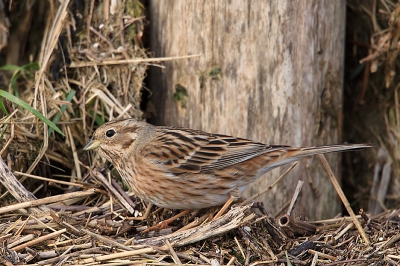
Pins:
x,y
26,106
17,73
98,119
3,108
10,68
288,263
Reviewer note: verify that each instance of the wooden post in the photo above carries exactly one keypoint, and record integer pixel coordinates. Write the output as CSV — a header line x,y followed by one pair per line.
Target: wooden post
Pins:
x,y
272,71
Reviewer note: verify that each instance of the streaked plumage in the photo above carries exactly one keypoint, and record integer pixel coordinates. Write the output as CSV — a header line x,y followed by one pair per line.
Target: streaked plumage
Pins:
x,y
180,168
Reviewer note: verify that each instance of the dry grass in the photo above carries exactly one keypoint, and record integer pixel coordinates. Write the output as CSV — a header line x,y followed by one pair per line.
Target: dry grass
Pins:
x,y
91,227
372,101
82,96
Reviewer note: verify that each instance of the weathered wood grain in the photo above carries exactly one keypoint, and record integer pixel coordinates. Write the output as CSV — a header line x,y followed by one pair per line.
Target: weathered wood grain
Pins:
x,y
271,71
18,191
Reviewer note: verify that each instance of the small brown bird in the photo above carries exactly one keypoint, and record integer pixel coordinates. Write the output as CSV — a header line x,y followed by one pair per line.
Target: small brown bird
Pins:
x,y
180,168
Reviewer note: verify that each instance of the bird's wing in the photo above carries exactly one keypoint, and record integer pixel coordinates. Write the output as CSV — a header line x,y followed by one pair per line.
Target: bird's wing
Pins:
x,y
191,151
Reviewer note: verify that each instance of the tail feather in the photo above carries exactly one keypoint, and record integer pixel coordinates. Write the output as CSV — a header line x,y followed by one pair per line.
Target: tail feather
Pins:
x,y
309,151
286,155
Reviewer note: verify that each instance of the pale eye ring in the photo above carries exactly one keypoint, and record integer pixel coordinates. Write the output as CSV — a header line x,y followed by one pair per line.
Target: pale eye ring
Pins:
x,y
110,133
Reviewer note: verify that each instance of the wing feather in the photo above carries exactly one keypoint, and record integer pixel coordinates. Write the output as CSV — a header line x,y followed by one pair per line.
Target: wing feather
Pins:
x,y
195,151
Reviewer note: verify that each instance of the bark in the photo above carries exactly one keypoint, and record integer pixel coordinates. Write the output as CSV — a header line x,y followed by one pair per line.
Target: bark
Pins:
x,y
271,71
18,191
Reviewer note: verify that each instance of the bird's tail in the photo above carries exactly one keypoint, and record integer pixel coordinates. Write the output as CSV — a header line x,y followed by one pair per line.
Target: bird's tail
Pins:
x,y
278,156
309,151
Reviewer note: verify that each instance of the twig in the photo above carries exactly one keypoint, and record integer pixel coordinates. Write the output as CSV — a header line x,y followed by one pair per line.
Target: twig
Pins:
x,y
195,223
131,61
51,43
335,220
45,127
295,197
382,174
224,208
322,255
74,154
11,183
252,244
118,255
343,197
385,245
9,139
269,187
341,233
296,226
39,240
231,261
53,180
19,192
345,262
302,247
225,223
107,240
122,192
315,259
268,248
47,200
282,209
51,261
112,190
173,253
21,240
240,247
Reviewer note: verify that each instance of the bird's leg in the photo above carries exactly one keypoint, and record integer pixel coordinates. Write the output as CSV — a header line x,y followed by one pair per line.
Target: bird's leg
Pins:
x,y
164,224
235,195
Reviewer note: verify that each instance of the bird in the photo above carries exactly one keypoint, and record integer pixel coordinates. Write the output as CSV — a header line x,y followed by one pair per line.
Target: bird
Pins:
x,y
182,168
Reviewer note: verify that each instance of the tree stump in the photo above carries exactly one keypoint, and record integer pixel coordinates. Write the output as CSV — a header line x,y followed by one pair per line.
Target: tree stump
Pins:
x,y
271,71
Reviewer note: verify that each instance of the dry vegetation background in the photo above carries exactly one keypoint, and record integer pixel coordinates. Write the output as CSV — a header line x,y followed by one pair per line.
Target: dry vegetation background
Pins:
x,y
81,63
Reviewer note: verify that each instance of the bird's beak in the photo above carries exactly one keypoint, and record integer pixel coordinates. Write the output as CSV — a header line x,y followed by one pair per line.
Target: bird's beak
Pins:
x,y
92,144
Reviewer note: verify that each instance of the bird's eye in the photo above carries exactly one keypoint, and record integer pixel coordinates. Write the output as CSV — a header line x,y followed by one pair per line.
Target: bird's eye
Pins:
x,y
110,133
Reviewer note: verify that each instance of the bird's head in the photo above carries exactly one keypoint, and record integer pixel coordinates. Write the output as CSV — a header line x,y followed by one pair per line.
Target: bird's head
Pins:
x,y
116,139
